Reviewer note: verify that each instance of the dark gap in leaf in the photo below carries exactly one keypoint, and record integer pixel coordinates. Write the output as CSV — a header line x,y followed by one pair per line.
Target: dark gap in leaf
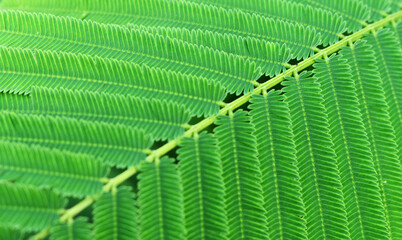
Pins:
x,y
310,68
322,46
244,106
132,182
294,61
347,34
114,172
231,97
263,79
209,129
194,120
158,144
172,153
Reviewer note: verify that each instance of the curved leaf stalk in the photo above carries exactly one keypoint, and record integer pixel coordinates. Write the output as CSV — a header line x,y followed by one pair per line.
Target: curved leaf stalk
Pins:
x,y
156,154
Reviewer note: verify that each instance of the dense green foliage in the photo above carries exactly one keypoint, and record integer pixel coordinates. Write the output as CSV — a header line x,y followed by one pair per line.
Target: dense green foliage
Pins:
x,y
156,119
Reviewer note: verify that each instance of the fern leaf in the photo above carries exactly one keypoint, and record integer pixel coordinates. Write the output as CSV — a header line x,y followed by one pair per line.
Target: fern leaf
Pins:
x,y
160,201
10,233
116,145
389,63
50,69
28,208
241,177
78,229
378,126
69,174
316,160
354,12
395,5
377,7
327,24
179,13
72,35
270,57
160,119
115,215
364,208
280,180
397,28
201,173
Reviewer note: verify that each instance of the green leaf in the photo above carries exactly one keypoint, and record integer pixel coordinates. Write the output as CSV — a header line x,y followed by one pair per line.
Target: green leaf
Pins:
x,y
377,7
160,201
28,208
270,57
86,37
78,229
23,69
354,12
364,208
377,122
280,178
389,63
115,215
395,5
69,174
124,83
398,31
203,191
325,23
241,176
178,13
10,233
161,119
316,160
116,145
